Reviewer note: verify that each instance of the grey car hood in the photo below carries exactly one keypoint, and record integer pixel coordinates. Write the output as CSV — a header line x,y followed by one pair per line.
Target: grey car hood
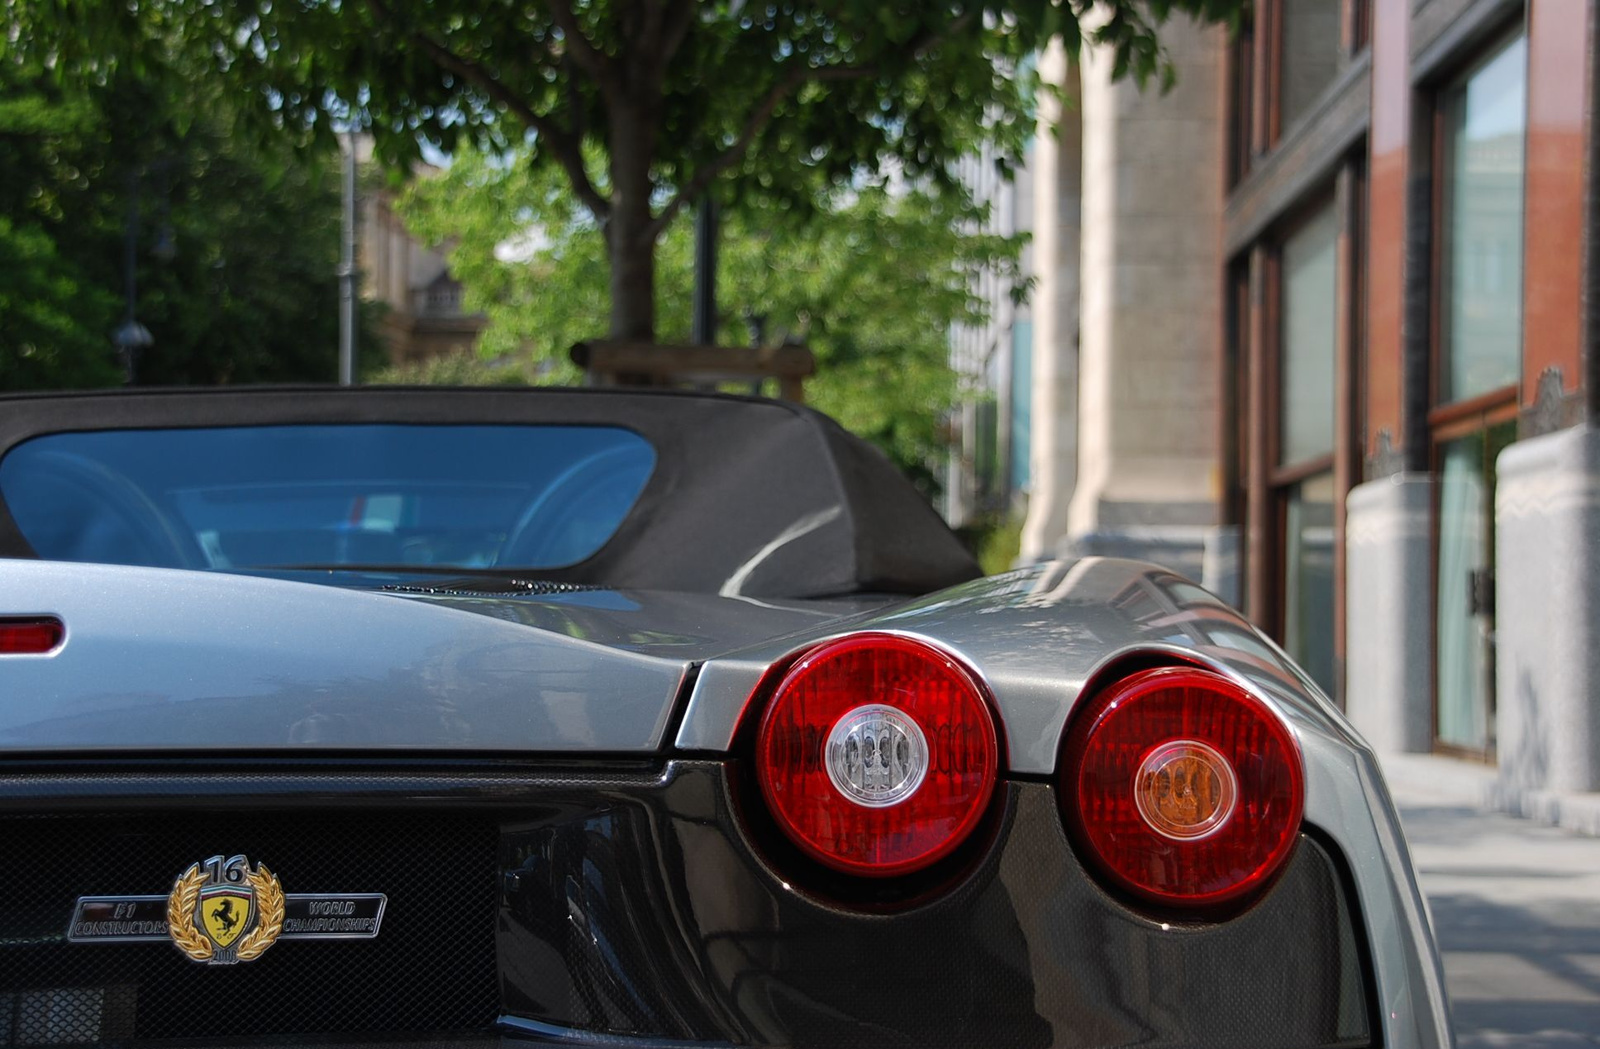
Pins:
x,y
162,660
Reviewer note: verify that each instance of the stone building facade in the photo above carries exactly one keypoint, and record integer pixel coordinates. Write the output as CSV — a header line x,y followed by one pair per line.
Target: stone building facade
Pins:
x,y
422,316
1315,329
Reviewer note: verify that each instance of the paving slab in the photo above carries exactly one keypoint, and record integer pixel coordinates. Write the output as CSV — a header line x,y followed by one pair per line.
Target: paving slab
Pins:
x,y
1516,908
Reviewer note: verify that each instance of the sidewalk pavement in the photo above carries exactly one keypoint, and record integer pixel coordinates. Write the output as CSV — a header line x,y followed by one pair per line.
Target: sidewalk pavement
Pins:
x,y
1516,908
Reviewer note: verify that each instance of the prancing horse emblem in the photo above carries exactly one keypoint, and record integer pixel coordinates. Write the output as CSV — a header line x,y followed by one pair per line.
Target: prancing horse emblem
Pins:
x,y
222,912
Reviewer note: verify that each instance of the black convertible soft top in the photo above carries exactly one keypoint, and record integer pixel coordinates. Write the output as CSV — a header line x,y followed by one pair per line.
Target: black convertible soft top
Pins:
x,y
757,497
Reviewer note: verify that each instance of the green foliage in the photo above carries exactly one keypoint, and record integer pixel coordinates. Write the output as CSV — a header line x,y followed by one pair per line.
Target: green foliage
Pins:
x,y
236,241
55,317
643,105
871,282
1000,546
453,369
45,341
995,540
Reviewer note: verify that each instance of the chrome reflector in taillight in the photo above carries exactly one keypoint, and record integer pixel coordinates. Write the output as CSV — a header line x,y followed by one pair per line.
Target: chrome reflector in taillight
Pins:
x,y
877,754
1181,788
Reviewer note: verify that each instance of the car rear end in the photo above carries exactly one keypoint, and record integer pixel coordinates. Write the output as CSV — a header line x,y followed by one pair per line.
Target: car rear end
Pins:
x,y
674,893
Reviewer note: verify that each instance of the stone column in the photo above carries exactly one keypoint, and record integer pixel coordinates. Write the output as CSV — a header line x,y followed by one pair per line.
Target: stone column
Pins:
x,y
1149,479
1057,166
1389,612
1547,614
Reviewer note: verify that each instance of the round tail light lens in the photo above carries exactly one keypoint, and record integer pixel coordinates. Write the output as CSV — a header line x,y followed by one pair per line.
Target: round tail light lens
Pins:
x,y
877,754
1182,788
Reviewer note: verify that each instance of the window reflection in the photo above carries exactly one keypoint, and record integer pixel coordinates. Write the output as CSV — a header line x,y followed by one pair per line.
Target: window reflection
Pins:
x,y
1310,290
1485,121
1311,51
1308,577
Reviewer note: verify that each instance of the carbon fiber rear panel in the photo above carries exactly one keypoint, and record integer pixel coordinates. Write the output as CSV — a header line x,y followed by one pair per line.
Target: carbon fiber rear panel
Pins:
x,y
431,969
636,908
713,939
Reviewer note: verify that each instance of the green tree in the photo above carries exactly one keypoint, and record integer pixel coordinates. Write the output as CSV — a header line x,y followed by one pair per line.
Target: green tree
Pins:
x,y
871,280
643,105
236,236
55,318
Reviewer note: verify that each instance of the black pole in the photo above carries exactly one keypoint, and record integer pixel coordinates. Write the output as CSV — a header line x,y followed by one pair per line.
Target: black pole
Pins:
x,y
705,272
347,267
130,248
127,338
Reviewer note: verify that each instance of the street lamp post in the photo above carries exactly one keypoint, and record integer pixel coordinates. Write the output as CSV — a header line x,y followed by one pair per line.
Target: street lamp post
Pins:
x,y
132,339
347,268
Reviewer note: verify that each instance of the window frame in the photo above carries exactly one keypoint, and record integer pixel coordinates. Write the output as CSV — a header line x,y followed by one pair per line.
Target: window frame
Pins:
x,y
1254,78
1448,421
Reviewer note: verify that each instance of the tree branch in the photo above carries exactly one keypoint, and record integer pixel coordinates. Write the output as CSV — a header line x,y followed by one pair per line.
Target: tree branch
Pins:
x,y
763,110
588,57
567,148
752,126
680,16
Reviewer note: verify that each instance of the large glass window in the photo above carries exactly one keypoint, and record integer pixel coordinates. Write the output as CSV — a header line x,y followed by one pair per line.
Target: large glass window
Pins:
x,y
1310,290
1483,120
1311,52
1304,479
1485,117
359,495
1308,577
1464,653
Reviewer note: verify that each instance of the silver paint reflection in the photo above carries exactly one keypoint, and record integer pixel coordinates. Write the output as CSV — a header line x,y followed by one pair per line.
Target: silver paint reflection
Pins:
x,y
1041,636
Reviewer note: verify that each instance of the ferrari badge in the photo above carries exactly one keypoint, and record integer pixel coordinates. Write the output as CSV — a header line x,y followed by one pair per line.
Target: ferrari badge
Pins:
x,y
223,912
220,912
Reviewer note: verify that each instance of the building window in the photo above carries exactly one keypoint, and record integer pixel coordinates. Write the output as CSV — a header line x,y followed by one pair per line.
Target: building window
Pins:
x,y
1310,289
1304,479
1480,123
1241,101
1464,654
1484,119
1312,52
1308,579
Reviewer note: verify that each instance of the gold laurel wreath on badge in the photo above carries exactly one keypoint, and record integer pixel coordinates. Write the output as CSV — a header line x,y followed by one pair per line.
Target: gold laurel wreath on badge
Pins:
x,y
269,908
180,914
194,943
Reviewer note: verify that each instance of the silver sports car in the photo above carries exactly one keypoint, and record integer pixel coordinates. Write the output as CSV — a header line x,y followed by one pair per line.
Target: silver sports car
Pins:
x,y
640,719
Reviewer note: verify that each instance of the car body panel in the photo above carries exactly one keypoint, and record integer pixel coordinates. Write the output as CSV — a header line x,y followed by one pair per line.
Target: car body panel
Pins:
x,y
174,659
640,895
157,659
1038,636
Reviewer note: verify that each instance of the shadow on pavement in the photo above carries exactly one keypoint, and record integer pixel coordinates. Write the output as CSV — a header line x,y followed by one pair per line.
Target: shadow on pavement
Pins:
x,y
1517,916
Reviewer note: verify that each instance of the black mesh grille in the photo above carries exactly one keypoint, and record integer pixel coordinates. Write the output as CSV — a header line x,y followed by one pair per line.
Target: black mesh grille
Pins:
x,y
431,969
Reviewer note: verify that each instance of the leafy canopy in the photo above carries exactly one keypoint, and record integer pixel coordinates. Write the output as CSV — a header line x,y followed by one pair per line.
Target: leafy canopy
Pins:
x,y
643,105
871,283
235,245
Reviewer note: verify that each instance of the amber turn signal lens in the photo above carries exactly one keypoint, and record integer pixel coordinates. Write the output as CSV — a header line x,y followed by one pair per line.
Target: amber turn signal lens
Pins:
x,y
1185,790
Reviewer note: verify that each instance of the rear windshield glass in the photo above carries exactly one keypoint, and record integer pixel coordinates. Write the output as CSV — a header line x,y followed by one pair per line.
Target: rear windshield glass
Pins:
x,y
280,496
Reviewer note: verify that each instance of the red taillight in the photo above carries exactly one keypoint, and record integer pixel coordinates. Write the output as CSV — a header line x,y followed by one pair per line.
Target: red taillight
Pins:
x,y
30,635
877,754
1182,788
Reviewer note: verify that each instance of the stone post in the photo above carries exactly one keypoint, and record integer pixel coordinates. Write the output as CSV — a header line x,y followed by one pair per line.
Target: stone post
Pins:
x,y
1389,612
1547,614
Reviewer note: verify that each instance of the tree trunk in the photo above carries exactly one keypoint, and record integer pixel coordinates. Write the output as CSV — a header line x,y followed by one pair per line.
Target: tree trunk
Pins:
x,y
633,277
629,240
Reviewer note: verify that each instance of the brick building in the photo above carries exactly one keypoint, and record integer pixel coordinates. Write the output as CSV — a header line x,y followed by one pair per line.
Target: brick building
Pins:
x,y
1317,332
